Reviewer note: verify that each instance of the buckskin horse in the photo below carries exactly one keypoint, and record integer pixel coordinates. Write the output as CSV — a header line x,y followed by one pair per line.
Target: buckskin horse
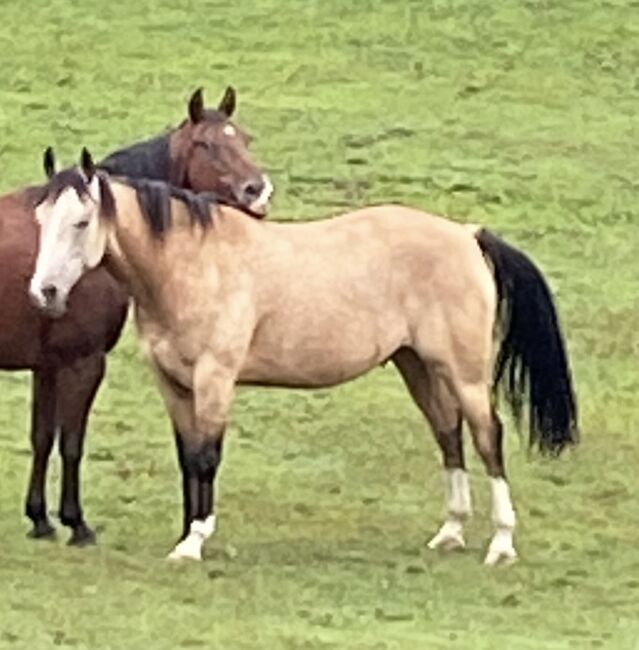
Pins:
x,y
207,152
222,299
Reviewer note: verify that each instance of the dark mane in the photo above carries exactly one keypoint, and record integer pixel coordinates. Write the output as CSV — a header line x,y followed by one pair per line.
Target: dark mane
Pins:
x,y
154,199
147,159
150,158
153,196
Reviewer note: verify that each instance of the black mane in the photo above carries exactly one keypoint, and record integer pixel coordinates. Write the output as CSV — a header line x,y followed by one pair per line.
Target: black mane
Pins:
x,y
148,159
154,200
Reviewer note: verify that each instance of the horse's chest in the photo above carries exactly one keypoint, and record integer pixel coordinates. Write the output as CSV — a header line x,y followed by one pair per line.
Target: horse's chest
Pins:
x,y
170,357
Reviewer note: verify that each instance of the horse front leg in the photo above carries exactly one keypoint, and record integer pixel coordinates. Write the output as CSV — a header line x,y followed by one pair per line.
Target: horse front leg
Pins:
x,y
77,388
43,425
199,444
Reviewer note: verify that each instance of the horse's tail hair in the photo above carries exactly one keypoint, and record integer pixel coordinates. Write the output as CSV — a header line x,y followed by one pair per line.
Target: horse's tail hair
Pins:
x,y
532,361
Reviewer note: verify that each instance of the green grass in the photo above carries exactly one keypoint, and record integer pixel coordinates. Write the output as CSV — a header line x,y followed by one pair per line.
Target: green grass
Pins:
x,y
518,115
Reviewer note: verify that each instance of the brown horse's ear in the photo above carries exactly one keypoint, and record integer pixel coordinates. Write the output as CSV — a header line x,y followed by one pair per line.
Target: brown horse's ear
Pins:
x,y
48,162
227,105
196,106
86,164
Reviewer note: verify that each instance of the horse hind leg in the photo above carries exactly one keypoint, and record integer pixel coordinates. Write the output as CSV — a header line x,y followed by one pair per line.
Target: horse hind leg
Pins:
x,y
487,432
462,356
436,402
77,388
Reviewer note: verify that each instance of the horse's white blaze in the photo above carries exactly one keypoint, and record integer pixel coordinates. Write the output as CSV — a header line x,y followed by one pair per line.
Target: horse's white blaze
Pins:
x,y
501,547
229,130
261,202
72,239
53,250
458,505
190,548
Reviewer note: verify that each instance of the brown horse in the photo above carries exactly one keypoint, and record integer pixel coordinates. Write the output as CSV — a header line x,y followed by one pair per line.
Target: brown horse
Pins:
x,y
67,356
222,299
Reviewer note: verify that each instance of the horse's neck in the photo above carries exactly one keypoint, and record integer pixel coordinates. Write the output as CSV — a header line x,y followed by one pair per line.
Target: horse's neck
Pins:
x,y
149,159
130,249
155,268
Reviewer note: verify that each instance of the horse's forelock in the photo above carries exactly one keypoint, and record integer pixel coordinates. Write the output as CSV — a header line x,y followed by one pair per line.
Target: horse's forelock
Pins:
x,y
51,191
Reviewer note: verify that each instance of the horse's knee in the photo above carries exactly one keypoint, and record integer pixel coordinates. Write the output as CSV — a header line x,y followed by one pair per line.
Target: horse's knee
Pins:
x,y
71,445
202,458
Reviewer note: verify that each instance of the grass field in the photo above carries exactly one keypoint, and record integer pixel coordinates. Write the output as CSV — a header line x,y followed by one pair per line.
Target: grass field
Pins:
x,y
519,115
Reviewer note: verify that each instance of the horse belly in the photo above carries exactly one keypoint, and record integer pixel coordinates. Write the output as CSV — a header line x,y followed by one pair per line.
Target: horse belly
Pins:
x,y
314,357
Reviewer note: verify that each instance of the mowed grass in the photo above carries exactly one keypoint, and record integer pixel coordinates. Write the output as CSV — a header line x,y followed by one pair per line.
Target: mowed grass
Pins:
x,y
518,115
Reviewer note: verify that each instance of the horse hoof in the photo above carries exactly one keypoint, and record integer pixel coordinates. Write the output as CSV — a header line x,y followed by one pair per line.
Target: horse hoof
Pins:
x,y
176,554
82,536
501,549
189,548
503,558
447,543
42,530
449,538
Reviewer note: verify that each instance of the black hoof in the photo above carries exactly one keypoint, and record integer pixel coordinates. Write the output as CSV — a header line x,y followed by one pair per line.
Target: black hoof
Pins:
x,y
82,535
42,530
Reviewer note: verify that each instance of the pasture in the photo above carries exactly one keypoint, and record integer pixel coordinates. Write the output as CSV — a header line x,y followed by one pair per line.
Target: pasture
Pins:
x,y
520,115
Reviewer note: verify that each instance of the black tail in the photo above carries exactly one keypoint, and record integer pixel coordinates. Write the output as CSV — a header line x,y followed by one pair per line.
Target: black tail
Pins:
x,y
532,359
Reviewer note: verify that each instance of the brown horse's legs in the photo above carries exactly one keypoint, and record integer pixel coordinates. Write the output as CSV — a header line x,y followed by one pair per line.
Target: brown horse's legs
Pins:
x,y
442,411
77,387
43,411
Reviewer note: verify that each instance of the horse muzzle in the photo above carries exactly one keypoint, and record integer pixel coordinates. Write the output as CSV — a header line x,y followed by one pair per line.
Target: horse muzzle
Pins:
x,y
48,299
256,195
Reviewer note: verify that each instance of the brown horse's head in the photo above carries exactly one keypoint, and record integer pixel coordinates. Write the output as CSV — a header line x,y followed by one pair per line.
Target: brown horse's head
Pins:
x,y
212,153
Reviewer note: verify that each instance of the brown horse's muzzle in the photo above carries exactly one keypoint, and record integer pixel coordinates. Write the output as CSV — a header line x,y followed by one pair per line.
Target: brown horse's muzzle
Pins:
x,y
255,195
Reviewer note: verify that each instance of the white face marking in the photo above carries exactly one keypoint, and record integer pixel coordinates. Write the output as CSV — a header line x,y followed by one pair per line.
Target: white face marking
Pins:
x,y
72,240
229,130
260,205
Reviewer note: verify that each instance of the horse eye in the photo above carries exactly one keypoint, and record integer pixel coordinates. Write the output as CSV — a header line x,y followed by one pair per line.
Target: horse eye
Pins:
x,y
81,225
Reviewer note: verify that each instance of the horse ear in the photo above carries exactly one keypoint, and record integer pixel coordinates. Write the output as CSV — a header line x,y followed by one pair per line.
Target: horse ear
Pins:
x,y
196,106
48,162
86,163
227,105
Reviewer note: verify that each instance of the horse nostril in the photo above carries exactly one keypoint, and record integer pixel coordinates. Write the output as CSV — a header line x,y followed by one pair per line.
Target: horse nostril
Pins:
x,y
253,188
50,292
